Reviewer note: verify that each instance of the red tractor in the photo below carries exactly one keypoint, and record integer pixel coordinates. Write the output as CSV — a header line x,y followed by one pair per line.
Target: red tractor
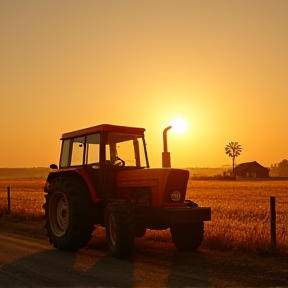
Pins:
x,y
104,179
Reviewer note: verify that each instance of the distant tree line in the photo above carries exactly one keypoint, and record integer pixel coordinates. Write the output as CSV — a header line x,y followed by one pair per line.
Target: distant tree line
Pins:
x,y
279,169
282,164
24,173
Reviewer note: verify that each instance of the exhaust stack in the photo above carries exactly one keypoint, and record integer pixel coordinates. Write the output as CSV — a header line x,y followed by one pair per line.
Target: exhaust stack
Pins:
x,y
166,159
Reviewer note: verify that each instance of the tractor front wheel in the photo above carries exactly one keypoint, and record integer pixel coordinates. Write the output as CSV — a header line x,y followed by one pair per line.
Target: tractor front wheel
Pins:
x,y
140,231
119,224
187,237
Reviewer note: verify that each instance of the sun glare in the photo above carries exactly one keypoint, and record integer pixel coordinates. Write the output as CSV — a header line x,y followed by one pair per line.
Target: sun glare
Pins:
x,y
179,125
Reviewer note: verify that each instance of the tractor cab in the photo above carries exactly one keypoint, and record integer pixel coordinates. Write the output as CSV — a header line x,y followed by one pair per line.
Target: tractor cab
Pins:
x,y
98,153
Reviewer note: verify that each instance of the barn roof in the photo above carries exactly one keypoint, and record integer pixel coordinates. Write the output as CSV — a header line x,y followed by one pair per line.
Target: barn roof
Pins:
x,y
247,165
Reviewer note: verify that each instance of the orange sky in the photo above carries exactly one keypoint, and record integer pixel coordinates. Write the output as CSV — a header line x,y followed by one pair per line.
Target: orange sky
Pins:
x,y
221,65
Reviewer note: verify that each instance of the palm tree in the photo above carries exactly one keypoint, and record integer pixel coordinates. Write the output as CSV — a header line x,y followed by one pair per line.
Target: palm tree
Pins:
x,y
233,149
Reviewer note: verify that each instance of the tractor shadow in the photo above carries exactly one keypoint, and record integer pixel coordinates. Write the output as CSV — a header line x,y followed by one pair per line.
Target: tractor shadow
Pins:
x,y
153,264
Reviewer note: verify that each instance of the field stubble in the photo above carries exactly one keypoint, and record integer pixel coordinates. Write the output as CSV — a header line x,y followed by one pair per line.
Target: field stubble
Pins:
x,y
240,211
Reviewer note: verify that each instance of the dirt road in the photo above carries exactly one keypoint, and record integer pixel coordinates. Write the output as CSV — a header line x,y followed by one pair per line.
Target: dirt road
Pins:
x,y
28,260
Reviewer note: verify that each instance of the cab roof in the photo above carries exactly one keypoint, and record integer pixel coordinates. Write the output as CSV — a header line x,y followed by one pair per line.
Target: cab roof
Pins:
x,y
103,127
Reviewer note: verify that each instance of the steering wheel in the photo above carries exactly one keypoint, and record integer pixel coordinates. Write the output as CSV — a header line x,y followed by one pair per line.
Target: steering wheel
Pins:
x,y
121,163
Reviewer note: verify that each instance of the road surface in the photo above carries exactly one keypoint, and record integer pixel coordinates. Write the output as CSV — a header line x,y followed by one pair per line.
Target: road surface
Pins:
x,y
28,260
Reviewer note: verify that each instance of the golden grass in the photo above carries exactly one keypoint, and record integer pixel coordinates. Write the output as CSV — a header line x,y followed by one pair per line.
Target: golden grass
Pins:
x,y
26,198
240,211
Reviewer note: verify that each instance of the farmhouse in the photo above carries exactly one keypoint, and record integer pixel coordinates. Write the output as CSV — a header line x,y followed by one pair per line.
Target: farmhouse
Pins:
x,y
251,170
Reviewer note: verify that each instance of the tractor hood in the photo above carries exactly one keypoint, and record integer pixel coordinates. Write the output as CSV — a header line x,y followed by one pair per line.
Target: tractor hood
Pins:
x,y
168,185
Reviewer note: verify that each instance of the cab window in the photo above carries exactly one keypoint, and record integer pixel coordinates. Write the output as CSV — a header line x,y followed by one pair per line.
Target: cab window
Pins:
x,y
125,150
93,150
64,161
77,151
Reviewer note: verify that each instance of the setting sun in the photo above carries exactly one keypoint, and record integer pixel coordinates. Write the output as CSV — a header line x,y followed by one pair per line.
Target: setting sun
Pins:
x,y
179,125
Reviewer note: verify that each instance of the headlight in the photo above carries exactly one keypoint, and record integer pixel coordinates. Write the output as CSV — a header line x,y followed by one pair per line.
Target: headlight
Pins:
x,y
176,196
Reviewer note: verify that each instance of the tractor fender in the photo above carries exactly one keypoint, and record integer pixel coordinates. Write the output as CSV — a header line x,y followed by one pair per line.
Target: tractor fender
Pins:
x,y
73,173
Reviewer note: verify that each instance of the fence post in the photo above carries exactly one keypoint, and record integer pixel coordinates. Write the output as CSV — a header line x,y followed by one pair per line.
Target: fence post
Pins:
x,y
8,197
273,221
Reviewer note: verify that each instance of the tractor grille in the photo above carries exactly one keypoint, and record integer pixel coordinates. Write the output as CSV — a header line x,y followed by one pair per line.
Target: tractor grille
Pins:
x,y
177,181
141,196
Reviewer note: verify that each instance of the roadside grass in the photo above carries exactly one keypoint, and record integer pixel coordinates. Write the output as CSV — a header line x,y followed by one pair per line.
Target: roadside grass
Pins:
x,y
240,212
26,199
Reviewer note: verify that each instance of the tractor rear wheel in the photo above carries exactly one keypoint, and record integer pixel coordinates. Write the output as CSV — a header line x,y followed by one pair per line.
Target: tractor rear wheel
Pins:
x,y
119,223
187,237
68,214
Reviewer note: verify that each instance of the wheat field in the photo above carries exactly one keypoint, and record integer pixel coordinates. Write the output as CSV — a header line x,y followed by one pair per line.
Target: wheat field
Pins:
x,y
240,211
26,198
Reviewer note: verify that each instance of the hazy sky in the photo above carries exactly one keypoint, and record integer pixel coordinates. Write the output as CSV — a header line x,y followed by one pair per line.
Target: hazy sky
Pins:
x,y
222,65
